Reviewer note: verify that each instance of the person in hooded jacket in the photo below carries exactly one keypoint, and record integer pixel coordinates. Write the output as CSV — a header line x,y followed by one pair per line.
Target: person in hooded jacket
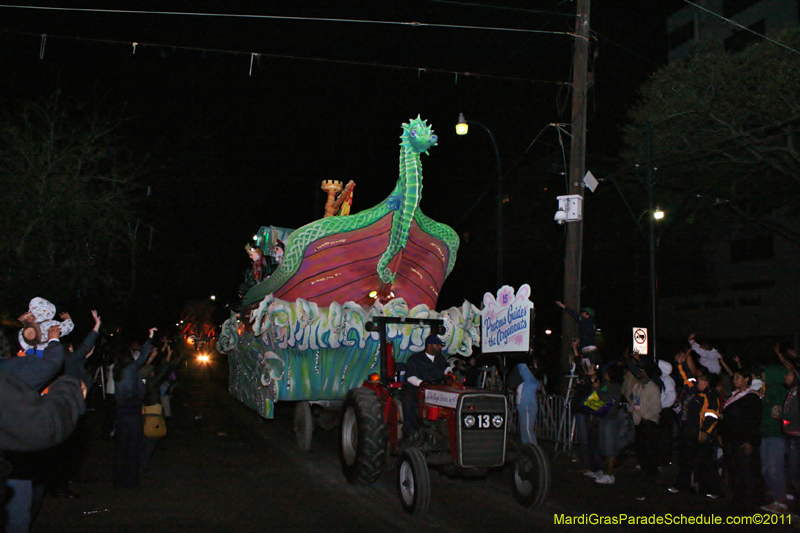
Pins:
x,y
666,422
527,404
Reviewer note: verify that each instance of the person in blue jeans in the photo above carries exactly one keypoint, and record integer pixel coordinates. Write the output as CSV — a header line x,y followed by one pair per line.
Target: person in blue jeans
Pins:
x,y
773,443
129,425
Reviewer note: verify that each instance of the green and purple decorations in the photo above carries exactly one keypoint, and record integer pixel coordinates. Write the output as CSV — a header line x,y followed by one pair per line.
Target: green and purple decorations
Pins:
x,y
300,351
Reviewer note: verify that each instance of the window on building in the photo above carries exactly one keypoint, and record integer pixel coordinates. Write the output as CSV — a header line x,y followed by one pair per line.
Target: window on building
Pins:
x,y
753,285
750,301
732,7
681,35
752,249
743,38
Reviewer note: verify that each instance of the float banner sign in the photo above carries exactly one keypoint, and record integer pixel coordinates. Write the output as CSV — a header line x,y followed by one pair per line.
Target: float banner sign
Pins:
x,y
506,320
640,341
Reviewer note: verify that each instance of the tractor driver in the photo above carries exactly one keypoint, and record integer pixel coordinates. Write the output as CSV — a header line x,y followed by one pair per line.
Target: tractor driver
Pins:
x,y
424,366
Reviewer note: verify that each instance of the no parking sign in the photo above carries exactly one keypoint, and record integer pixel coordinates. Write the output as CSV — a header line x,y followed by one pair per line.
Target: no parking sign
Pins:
x,y
640,340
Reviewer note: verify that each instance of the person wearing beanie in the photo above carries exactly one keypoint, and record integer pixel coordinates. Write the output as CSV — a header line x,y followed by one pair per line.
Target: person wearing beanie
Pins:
x,y
424,366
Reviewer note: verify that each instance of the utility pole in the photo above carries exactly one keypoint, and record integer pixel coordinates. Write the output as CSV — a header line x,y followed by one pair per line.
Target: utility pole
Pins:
x,y
577,169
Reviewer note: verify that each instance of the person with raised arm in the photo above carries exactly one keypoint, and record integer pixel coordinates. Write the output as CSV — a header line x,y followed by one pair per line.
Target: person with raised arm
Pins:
x,y
128,422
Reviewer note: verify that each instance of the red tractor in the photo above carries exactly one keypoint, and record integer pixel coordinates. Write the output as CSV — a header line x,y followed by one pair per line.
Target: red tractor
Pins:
x,y
463,432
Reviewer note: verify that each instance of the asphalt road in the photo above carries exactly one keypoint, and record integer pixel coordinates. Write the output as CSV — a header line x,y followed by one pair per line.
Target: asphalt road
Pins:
x,y
223,468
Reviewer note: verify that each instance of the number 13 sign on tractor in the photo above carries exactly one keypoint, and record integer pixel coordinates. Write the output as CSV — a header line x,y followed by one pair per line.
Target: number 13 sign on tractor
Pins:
x,y
640,341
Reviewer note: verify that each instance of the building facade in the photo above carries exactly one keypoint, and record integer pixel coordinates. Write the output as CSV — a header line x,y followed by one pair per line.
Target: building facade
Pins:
x,y
691,26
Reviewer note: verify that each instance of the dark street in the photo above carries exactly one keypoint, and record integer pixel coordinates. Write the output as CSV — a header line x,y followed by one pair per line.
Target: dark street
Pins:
x,y
223,468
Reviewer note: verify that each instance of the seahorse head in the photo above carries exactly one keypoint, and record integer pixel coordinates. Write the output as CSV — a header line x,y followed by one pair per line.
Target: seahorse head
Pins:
x,y
418,136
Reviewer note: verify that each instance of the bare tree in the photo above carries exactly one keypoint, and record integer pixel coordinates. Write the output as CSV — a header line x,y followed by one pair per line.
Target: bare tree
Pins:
x,y
68,192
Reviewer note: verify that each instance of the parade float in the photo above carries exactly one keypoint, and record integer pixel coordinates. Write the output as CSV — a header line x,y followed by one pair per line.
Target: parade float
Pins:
x,y
302,333
332,323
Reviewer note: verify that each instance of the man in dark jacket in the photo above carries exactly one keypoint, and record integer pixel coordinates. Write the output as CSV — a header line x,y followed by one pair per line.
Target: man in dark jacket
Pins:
x,y
30,421
429,365
587,329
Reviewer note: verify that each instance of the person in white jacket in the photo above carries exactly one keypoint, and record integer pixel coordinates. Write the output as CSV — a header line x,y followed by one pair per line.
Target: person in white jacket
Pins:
x,y
668,393
709,357
41,314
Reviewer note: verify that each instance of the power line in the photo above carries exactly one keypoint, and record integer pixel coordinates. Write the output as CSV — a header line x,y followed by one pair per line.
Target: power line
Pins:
x,y
284,17
419,70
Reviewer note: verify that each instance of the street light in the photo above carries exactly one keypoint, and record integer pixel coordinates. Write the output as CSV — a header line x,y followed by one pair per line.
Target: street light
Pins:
x,y
462,128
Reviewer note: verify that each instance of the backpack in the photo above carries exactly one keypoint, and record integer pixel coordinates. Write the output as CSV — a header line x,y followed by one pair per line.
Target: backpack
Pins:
x,y
155,425
790,417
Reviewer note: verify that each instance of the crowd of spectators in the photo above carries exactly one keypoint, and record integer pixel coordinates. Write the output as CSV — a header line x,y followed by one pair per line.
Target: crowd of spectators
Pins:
x,y
732,428
44,384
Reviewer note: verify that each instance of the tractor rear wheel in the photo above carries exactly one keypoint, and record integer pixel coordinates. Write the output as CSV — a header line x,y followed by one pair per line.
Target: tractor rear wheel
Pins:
x,y
414,482
363,443
531,476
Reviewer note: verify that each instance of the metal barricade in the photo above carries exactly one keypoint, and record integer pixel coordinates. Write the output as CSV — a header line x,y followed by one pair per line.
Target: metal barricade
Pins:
x,y
554,421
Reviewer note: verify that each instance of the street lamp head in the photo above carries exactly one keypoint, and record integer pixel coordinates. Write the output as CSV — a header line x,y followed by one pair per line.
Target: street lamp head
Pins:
x,y
462,127
658,214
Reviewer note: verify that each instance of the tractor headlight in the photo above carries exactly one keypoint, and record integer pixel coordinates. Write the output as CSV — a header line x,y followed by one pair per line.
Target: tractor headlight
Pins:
x,y
469,421
497,421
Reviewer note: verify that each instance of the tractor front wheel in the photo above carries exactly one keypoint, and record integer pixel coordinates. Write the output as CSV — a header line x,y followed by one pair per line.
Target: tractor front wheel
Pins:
x,y
531,476
414,482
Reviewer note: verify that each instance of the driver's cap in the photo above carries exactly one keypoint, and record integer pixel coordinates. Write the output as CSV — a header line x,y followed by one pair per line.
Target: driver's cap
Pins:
x,y
433,339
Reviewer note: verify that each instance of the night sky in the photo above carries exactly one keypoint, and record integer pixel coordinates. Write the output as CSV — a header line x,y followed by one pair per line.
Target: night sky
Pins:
x,y
229,150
